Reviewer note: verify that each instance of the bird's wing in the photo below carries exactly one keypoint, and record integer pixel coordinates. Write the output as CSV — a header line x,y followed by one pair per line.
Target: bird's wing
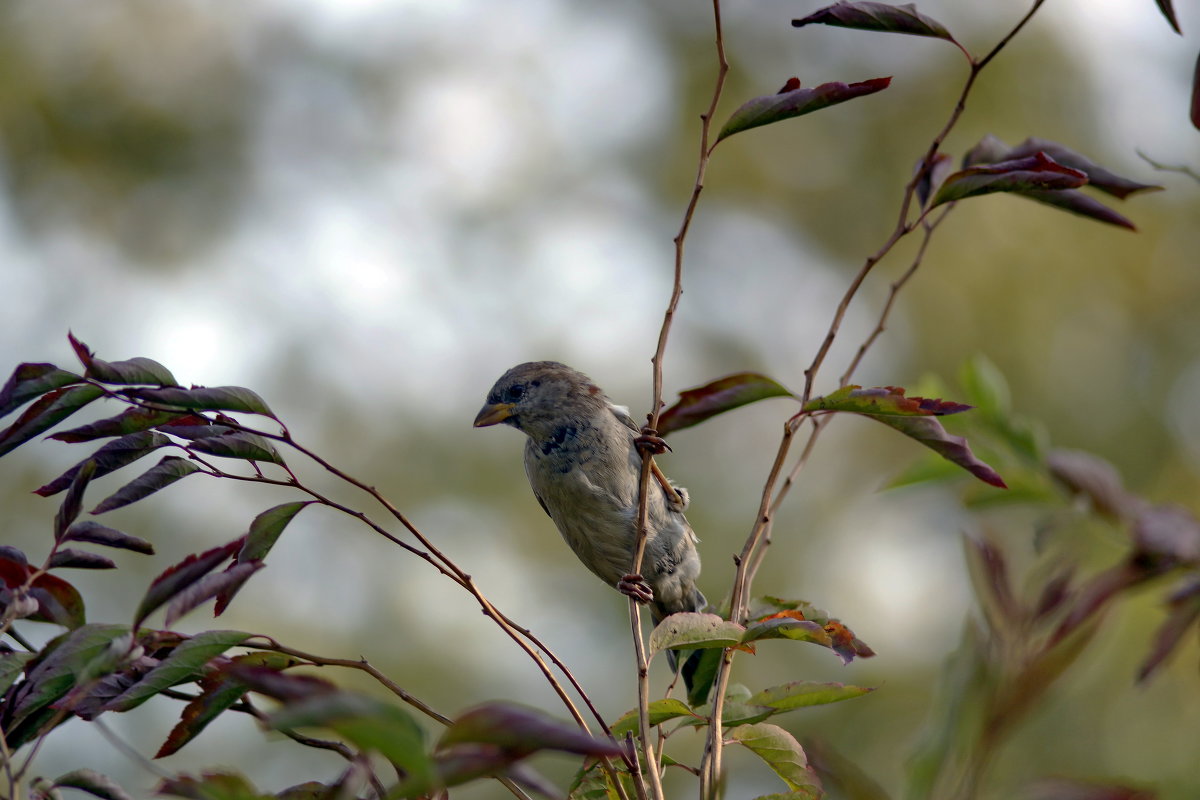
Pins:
x,y
542,503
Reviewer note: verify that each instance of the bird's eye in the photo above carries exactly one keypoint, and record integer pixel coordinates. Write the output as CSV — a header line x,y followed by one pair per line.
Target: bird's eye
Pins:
x,y
515,393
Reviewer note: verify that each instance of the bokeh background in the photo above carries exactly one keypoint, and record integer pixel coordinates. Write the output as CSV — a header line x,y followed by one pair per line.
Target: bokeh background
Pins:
x,y
366,211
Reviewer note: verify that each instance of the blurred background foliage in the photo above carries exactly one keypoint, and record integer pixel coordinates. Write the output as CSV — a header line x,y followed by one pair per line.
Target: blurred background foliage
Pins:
x,y
368,210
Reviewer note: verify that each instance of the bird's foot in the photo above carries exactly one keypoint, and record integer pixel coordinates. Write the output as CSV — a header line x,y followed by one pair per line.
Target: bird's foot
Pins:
x,y
636,587
652,443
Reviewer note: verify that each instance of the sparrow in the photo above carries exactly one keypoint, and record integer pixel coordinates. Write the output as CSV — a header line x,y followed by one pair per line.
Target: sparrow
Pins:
x,y
583,463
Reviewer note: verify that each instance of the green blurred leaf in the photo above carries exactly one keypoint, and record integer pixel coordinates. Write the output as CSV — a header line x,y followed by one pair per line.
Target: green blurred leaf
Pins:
x,y
12,664
160,476
47,412
58,667
109,458
211,786
1183,614
798,694
179,577
694,630
781,752
697,404
94,783
184,664
95,533
238,444
202,398
369,725
523,730
800,630
868,16
883,401
794,102
32,380
1036,173
664,710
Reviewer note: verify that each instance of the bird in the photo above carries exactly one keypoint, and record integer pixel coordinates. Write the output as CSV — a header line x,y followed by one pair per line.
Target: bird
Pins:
x,y
584,466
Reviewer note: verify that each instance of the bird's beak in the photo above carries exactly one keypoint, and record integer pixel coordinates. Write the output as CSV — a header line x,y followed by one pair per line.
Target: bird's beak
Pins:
x,y
492,414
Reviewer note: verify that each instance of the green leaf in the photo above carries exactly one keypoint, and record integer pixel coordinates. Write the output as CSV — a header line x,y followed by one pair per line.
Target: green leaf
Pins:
x,y
184,664
800,630
264,532
109,458
47,412
12,664
238,444
867,16
134,371
724,394
32,380
160,476
211,786
781,752
691,630
1036,173
799,694
182,575
72,504
794,102
95,533
368,724
664,710
131,420
202,398
94,783
883,401
59,666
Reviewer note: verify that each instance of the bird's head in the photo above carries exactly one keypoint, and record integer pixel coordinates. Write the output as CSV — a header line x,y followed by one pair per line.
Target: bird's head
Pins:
x,y
536,397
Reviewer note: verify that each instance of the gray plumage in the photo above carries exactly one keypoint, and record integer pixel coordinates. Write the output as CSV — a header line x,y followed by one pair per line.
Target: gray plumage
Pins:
x,y
584,468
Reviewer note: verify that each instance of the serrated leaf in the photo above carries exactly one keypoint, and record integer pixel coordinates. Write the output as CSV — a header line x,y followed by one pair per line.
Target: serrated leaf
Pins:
x,y
238,444
883,401
72,503
47,412
182,575
209,587
694,630
1103,179
131,420
94,783
32,380
800,694
160,476
796,102
1036,173
699,403
205,398
184,664
868,16
1082,205
929,432
109,458
664,710
780,751
66,558
95,533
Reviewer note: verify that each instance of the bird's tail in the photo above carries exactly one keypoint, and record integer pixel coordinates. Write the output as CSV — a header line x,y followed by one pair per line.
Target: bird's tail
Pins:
x,y
693,601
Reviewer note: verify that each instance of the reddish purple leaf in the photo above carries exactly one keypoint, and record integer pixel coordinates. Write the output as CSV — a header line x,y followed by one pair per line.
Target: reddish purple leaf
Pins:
x,y
1169,12
1095,479
204,398
1195,96
267,679
79,559
47,412
989,150
724,394
785,105
1079,203
72,503
94,532
238,444
131,420
1167,536
1098,176
32,380
208,587
929,432
110,457
523,730
134,371
932,177
160,476
1020,175
179,577
868,16
1184,612
264,532
883,401
57,601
